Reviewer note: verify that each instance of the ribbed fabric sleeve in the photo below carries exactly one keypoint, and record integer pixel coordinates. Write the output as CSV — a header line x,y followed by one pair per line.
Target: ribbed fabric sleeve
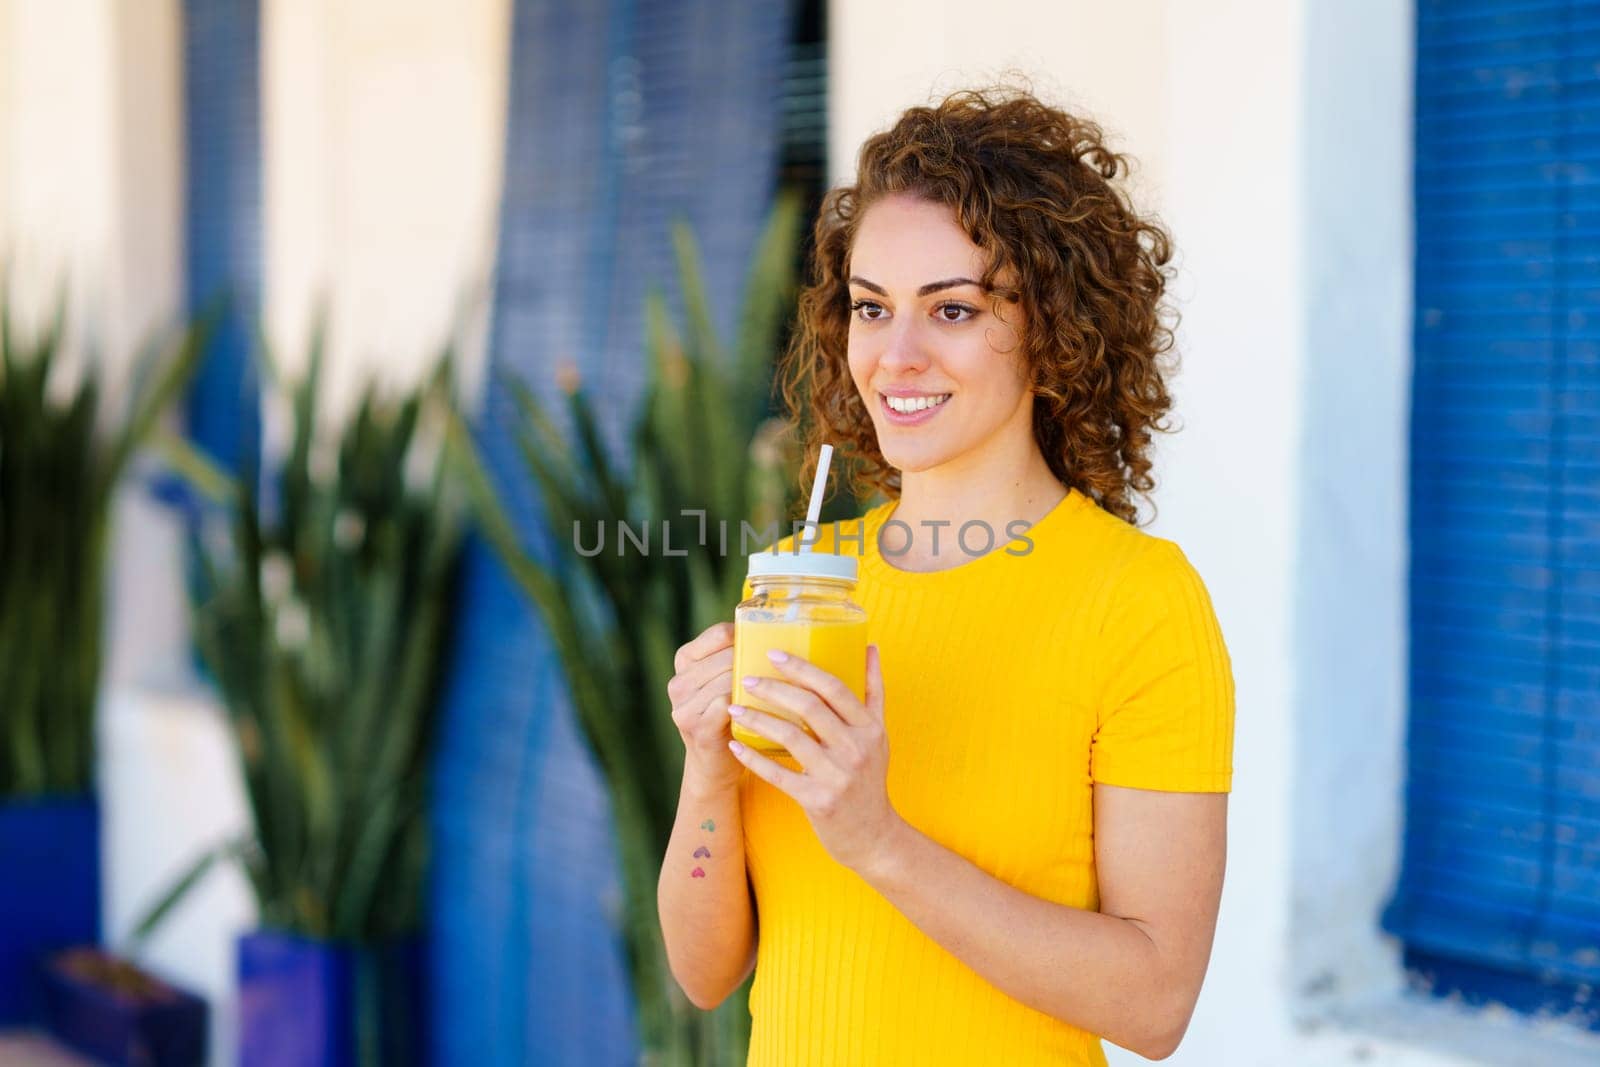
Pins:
x,y
1166,707
1013,683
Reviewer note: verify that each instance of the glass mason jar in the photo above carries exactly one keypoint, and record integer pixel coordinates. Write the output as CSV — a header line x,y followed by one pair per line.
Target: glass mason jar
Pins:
x,y
799,603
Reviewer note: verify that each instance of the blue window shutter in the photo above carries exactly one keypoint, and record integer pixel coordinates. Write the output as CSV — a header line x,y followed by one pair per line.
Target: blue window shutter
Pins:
x,y
1499,894
624,117
222,217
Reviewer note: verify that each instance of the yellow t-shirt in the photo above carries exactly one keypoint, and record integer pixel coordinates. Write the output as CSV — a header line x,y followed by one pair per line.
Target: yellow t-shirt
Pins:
x,y
1013,683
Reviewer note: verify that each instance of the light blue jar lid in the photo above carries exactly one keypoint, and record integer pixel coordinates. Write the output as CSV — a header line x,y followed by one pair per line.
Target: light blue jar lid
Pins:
x,y
791,564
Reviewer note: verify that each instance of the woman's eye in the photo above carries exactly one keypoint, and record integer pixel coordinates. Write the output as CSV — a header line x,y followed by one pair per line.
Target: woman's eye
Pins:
x,y
866,310
872,311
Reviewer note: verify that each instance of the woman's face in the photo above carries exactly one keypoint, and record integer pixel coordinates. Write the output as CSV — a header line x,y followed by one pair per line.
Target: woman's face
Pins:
x,y
942,375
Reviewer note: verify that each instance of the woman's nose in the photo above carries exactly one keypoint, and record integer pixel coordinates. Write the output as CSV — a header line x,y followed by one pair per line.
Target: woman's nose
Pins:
x,y
903,350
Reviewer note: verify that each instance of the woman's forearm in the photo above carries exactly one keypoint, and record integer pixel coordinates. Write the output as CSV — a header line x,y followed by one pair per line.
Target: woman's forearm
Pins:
x,y
1098,972
707,919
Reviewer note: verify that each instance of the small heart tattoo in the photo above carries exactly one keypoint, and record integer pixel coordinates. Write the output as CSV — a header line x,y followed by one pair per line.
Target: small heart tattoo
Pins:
x,y
709,826
697,873
702,853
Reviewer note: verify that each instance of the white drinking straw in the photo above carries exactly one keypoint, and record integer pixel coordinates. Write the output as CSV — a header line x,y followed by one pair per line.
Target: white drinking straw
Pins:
x,y
814,512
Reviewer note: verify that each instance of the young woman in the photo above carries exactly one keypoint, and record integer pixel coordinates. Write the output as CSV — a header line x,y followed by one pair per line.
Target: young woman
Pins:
x,y
1014,846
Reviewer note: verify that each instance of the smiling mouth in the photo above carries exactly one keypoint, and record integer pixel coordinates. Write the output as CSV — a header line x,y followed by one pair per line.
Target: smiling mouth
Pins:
x,y
911,405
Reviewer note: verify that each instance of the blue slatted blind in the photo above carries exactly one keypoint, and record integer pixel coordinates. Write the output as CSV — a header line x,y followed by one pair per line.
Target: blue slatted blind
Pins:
x,y
624,116
222,218
1500,887
804,143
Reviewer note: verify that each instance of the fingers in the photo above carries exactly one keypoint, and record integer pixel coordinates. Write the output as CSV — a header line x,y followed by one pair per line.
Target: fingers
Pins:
x,y
684,685
800,744
717,690
823,719
712,639
790,782
831,689
874,689
711,722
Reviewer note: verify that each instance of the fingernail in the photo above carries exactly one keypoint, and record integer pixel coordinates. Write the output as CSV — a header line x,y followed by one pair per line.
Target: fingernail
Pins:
x,y
736,746
735,710
777,655
750,683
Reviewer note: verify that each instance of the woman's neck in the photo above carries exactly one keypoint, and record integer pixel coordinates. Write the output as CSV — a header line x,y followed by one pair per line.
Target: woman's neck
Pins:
x,y
941,500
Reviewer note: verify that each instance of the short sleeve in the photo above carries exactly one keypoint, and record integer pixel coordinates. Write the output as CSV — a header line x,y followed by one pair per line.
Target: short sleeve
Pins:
x,y
1166,700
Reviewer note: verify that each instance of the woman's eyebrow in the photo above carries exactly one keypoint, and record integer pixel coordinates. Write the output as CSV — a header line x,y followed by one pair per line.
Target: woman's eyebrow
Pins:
x,y
931,287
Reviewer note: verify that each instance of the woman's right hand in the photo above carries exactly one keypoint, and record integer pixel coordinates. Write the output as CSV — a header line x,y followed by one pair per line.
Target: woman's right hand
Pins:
x,y
700,692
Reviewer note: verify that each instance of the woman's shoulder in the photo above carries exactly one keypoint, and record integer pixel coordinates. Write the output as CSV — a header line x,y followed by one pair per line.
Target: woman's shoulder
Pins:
x,y
1123,551
1148,577
1125,568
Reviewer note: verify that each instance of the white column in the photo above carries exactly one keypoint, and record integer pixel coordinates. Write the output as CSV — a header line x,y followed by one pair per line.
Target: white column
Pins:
x,y
1229,488
8,74
91,185
385,126
1351,636
59,203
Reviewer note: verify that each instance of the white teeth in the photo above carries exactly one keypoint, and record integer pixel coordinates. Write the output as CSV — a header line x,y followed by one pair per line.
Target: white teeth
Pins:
x,y
907,405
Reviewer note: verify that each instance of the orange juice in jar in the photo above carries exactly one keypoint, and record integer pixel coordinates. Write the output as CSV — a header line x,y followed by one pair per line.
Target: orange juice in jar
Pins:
x,y
799,603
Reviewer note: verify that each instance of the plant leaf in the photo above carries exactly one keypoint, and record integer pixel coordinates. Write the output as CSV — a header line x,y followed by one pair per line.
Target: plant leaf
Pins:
x,y
232,849
196,467
149,404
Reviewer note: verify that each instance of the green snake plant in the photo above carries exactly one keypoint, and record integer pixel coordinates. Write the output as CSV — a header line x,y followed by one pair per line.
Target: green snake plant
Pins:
x,y
61,459
321,610
702,443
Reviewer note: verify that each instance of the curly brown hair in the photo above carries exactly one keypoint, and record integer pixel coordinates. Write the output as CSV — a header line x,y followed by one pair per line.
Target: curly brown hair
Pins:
x,y
1034,185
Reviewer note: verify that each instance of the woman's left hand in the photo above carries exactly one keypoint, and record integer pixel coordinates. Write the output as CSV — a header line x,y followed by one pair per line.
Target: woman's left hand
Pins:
x,y
844,787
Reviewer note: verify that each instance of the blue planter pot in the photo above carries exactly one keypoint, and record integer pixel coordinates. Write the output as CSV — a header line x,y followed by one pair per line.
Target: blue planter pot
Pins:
x,y
317,1004
49,893
120,1015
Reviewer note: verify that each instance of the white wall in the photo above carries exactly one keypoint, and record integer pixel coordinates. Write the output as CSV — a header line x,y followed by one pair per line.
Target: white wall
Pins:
x,y
1350,692
1230,498
1274,142
90,196
58,214
8,80
384,135
891,54
91,160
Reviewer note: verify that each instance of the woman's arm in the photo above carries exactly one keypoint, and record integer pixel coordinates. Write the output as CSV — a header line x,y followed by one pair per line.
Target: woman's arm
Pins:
x,y
703,897
1130,972
707,918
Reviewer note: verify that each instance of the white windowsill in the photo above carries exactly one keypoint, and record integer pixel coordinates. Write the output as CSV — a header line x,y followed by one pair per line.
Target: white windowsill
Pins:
x,y
1421,1031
